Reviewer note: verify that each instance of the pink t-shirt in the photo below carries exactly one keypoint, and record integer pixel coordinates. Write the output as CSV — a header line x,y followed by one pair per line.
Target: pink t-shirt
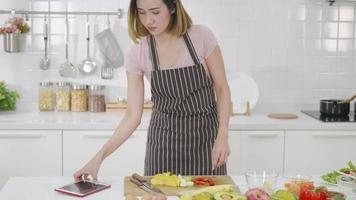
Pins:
x,y
138,61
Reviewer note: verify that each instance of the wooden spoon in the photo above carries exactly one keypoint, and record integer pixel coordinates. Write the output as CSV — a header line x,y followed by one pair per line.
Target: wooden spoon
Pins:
x,y
348,100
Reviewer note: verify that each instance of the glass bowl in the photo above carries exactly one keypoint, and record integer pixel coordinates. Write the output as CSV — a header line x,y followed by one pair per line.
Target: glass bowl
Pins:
x,y
261,179
297,176
345,184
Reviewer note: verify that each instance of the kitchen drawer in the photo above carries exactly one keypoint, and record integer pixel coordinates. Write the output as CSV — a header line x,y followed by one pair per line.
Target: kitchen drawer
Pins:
x,y
30,153
255,150
318,152
80,146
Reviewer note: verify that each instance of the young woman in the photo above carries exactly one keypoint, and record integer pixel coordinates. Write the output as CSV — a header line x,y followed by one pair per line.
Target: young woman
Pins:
x,y
188,130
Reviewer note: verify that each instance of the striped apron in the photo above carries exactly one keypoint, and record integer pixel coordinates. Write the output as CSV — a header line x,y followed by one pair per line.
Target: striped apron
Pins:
x,y
184,120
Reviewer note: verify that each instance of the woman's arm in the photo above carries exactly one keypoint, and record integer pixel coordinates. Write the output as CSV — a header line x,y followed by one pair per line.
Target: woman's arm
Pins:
x,y
217,72
128,124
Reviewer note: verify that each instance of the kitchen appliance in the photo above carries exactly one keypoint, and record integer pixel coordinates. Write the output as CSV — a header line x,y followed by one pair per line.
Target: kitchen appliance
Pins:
x,y
330,118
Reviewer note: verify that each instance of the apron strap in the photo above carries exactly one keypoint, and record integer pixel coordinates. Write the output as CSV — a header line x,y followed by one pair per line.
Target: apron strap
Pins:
x,y
154,55
191,49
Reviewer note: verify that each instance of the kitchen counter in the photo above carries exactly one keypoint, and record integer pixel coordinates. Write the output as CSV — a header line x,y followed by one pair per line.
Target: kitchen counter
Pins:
x,y
26,188
35,120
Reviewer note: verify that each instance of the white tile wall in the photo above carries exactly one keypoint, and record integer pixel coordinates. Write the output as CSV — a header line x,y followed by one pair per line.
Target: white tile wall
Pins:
x,y
298,51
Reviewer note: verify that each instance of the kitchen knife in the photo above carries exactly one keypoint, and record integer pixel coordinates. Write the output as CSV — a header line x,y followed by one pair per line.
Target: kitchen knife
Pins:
x,y
140,185
144,182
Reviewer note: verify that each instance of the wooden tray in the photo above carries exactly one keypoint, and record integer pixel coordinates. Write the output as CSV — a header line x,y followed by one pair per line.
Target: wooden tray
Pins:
x,y
132,189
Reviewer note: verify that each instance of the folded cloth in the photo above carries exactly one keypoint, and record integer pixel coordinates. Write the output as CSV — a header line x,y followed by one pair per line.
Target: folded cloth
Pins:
x,y
110,48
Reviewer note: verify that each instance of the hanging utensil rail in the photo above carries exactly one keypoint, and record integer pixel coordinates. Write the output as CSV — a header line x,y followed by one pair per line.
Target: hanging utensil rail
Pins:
x,y
119,13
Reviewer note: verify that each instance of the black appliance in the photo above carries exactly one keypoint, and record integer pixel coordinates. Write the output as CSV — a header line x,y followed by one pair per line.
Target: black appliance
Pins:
x,y
329,118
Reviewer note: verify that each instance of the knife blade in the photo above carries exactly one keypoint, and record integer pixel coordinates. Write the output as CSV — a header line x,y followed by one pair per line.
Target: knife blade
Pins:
x,y
145,183
140,185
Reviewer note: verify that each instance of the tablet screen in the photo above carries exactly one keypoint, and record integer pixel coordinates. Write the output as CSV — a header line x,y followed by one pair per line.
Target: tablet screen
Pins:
x,y
82,188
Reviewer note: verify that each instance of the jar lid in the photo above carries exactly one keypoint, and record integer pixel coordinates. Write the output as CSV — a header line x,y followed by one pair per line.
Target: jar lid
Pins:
x,y
46,84
63,84
96,87
76,86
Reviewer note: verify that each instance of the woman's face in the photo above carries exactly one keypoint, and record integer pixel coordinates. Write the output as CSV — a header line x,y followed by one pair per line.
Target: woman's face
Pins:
x,y
154,15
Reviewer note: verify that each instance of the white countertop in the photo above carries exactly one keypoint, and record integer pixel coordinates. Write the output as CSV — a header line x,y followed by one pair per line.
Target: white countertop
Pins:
x,y
26,188
35,120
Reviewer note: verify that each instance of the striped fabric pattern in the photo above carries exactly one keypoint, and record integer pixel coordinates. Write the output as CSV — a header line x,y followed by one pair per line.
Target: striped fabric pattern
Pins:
x,y
184,121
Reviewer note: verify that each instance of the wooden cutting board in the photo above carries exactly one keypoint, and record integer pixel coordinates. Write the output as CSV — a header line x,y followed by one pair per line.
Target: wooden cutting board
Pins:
x,y
132,189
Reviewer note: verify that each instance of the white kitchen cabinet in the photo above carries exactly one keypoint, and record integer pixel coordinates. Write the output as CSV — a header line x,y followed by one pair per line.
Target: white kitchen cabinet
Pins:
x,y
30,153
80,146
318,152
255,150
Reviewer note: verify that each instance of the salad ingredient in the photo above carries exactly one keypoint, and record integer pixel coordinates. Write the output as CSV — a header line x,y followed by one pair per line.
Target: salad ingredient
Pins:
x,y
257,194
203,196
330,177
199,181
188,195
283,195
316,194
185,181
295,186
167,179
229,196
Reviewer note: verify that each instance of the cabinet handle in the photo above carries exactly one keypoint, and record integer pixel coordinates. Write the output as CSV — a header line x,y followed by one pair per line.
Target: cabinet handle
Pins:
x,y
334,135
96,136
100,136
21,136
263,135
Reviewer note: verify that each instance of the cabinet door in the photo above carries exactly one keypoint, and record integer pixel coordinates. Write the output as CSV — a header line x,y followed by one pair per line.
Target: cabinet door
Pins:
x,y
317,152
256,150
80,146
30,153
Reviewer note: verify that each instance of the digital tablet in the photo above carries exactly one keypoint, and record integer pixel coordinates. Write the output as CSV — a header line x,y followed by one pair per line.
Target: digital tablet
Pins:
x,y
81,189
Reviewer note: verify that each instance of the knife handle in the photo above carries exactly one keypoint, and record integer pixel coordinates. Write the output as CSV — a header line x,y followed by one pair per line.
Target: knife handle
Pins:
x,y
135,181
139,178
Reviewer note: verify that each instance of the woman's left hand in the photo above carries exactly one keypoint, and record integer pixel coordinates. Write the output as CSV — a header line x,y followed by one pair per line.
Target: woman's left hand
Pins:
x,y
221,150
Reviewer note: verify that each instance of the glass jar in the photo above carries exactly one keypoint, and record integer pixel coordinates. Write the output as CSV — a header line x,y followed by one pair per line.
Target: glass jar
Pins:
x,y
97,98
79,98
46,97
63,96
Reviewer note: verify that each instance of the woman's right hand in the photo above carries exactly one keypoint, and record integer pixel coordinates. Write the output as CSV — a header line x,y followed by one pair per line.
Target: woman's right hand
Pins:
x,y
90,170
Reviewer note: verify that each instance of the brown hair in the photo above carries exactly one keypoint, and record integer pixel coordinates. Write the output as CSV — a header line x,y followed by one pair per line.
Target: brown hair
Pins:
x,y
179,24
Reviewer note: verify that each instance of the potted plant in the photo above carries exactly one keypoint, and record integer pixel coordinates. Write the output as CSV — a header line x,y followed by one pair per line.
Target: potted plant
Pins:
x,y
8,98
14,31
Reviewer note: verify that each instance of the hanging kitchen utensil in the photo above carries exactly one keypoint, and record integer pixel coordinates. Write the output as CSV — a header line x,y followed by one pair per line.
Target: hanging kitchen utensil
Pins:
x,y
67,69
88,66
45,62
109,47
107,71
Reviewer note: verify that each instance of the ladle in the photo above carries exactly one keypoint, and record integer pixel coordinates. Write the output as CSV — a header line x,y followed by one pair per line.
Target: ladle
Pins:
x,y
88,66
